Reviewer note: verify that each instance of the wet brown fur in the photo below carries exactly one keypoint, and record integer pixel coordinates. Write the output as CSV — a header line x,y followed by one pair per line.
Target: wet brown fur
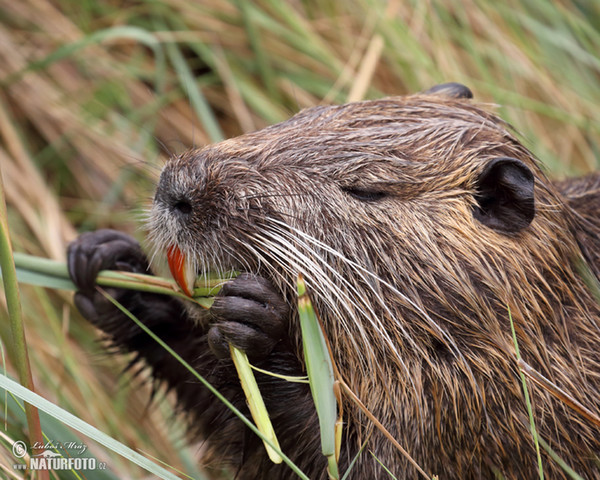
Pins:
x,y
418,316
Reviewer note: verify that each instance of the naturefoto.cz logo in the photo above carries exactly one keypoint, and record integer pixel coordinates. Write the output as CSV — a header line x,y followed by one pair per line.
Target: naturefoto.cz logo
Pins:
x,y
51,458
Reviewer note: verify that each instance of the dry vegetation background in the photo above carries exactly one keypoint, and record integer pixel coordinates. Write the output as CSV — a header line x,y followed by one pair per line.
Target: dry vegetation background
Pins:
x,y
94,95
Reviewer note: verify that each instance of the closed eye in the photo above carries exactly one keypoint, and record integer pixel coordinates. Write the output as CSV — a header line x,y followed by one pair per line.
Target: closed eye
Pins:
x,y
365,194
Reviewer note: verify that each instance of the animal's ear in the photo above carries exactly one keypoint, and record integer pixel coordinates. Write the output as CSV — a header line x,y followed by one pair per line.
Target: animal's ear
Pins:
x,y
452,90
505,197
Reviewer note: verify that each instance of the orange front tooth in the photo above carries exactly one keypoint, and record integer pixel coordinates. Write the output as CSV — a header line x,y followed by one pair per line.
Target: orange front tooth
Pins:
x,y
177,265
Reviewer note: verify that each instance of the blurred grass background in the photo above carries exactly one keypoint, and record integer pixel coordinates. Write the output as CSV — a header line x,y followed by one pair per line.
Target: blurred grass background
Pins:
x,y
95,95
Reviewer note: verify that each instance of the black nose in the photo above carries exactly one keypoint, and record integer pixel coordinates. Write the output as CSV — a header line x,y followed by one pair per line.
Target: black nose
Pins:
x,y
179,189
182,206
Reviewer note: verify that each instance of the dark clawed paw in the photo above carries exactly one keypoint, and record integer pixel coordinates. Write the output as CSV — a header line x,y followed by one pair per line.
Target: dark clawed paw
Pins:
x,y
99,310
249,314
103,250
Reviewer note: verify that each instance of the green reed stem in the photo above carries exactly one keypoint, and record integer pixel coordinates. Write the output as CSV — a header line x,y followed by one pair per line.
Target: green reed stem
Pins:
x,y
54,274
527,399
205,382
13,303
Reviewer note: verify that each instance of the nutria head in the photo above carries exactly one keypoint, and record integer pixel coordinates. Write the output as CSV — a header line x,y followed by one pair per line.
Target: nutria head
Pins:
x,y
417,222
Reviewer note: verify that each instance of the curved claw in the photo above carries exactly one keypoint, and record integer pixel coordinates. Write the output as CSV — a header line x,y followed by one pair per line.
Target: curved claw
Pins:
x,y
103,250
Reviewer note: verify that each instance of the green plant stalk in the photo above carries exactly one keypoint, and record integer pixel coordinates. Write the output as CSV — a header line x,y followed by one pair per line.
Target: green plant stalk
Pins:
x,y
320,376
194,92
588,277
85,428
256,404
136,34
5,392
569,471
287,378
262,62
45,271
383,466
53,274
16,399
13,303
356,457
159,461
254,399
527,399
212,389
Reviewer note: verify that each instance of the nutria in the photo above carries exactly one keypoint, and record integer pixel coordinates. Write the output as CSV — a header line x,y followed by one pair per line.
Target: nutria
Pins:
x,y
417,222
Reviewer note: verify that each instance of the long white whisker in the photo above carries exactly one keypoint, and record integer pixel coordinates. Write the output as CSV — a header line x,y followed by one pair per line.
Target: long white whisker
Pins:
x,y
318,282
363,271
373,316
366,274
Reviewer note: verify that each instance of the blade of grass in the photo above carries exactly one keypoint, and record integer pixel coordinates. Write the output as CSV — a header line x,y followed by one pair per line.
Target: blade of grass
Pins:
x,y
83,427
54,274
558,393
320,375
5,392
205,382
114,33
264,68
158,460
527,399
258,410
383,466
42,280
196,97
13,302
356,457
568,470
287,378
381,428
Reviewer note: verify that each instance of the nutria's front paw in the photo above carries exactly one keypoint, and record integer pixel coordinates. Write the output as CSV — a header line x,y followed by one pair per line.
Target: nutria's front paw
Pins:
x,y
103,250
249,314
